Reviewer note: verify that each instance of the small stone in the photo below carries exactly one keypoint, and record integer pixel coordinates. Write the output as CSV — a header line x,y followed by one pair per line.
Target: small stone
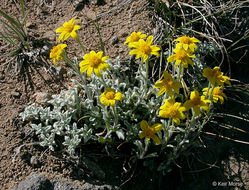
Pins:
x,y
61,71
46,48
125,34
79,5
114,40
40,97
50,35
30,25
15,94
35,181
2,76
33,161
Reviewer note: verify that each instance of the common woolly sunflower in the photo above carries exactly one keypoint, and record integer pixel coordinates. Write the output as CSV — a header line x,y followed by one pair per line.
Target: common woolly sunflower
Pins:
x,y
134,37
217,94
94,62
144,49
197,102
172,109
187,43
68,29
149,132
181,56
167,84
110,96
56,53
215,76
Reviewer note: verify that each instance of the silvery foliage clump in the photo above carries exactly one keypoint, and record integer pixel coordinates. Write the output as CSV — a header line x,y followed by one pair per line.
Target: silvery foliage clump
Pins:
x,y
130,112
58,119
62,113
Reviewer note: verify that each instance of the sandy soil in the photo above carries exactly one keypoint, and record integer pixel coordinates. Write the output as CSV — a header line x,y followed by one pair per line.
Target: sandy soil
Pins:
x,y
117,19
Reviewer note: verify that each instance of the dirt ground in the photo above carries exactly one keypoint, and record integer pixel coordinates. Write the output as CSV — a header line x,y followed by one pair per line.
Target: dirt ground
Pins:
x,y
117,19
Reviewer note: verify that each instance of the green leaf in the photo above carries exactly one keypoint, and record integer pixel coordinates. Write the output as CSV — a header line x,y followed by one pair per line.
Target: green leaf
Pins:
x,y
9,40
17,31
22,8
9,18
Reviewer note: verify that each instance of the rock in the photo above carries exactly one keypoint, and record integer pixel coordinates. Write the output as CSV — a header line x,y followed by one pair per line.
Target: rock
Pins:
x,y
65,185
93,168
125,34
34,162
30,25
79,5
50,35
61,71
2,76
40,97
15,94
68,185
88,186
35,181
45,50
114,40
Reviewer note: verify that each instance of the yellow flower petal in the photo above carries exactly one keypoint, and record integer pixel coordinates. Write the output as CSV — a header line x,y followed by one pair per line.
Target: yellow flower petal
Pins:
x,y
156,139
157,127
144,124
89,71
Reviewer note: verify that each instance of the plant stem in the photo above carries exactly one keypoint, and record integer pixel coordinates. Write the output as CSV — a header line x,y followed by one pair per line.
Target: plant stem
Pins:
x,y
180,72
147,142
210,95
146,78
81,45
209,85
147,71
103,80
114,110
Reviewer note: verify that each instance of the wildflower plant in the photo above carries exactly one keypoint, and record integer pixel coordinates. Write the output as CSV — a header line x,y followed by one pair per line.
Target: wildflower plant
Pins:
x,y
113,104
14,32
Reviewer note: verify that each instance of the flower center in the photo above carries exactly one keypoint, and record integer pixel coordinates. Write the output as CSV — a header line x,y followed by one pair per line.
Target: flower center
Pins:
x,y
169,82
149,132
110,95
146,49
217,91
134,38
185,40
181,54
56,51
95,61
196,101
69,28
172,111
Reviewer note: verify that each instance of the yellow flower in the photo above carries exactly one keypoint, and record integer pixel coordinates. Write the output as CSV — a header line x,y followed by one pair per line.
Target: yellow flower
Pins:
x,y
144,49
68,29
150,131
181,56
215,76
172,109
187,43
94,62
109,97
196,102
56,52
134,37
167,84
217,94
